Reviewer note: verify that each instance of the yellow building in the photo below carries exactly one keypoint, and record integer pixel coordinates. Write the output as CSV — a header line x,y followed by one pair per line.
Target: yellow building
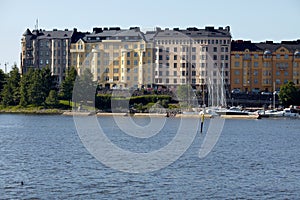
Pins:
x,y
264,66
117,58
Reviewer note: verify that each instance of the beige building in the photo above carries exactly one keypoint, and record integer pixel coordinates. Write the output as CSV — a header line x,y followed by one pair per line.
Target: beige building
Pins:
x,y
117,58
192,56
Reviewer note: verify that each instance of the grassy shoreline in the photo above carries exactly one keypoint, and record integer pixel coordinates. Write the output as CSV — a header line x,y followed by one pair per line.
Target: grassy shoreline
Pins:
x,y
45,111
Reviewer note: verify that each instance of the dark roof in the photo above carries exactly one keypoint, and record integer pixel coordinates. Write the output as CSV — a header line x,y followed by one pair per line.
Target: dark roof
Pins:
x,y
27,32
193,32
115,33
240,45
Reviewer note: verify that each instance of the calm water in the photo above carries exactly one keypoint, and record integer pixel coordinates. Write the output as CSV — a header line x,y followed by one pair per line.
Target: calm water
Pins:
x,y
253,159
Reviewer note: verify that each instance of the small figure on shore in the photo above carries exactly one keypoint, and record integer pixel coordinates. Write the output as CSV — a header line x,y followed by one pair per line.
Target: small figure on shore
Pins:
x,y
22,183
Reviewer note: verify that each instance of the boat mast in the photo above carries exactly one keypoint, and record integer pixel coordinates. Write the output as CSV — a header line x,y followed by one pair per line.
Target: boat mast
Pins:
x,y
274,89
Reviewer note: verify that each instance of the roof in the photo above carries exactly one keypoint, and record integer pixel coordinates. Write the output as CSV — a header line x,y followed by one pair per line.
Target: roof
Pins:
x,y
132,34
193,32
240,45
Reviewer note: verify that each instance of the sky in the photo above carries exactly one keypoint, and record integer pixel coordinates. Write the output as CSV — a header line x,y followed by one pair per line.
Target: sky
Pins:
x,y
255,20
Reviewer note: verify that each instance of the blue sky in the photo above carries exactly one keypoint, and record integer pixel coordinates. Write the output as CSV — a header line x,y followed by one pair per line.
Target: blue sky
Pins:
x,y
256,20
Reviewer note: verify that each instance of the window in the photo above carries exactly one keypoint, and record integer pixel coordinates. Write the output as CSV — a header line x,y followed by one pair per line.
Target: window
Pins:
x,y
193,49
193,73
128,54
237,72
255,64
175,65
256,56
215,57
277,73
255,73
116,78
193,57
175,49
135,54
277,56
128,62
237,81
116,70
236,55
135,62
286,56
286,73
216,49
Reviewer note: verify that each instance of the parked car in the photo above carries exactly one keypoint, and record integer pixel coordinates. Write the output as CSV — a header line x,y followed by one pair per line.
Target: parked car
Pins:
x,y
235,91
266,93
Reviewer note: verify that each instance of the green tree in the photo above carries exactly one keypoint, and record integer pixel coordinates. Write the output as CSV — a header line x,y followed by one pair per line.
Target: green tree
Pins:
x,y
66,88
11,90
25,85
288,94
85,88
48,83
52,99
3,78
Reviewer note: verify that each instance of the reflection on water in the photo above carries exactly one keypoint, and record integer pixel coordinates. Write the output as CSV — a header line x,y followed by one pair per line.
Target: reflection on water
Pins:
x,y
252,159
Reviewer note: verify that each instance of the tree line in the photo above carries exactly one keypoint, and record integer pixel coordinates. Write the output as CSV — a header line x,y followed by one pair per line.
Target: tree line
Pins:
x,y
39,88
35,88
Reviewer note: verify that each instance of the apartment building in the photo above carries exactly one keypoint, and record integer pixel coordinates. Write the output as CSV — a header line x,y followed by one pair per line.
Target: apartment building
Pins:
x,y
117,58
51,49
263,66
192,56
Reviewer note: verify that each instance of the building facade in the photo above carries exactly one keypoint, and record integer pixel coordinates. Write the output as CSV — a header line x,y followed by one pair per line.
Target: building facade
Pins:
x,y
117,58
264,66
192,56
51,49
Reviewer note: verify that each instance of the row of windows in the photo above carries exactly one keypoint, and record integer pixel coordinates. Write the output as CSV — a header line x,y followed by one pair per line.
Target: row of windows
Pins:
x,y
116,70
193,49
60,43
193,65
185,73
256,56
189,41
264,81
265,73
55,62
183,80
47,53
193,57
109,46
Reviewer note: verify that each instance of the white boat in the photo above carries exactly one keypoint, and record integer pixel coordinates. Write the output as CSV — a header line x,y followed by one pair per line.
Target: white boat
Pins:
x,y
232,111
287,112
